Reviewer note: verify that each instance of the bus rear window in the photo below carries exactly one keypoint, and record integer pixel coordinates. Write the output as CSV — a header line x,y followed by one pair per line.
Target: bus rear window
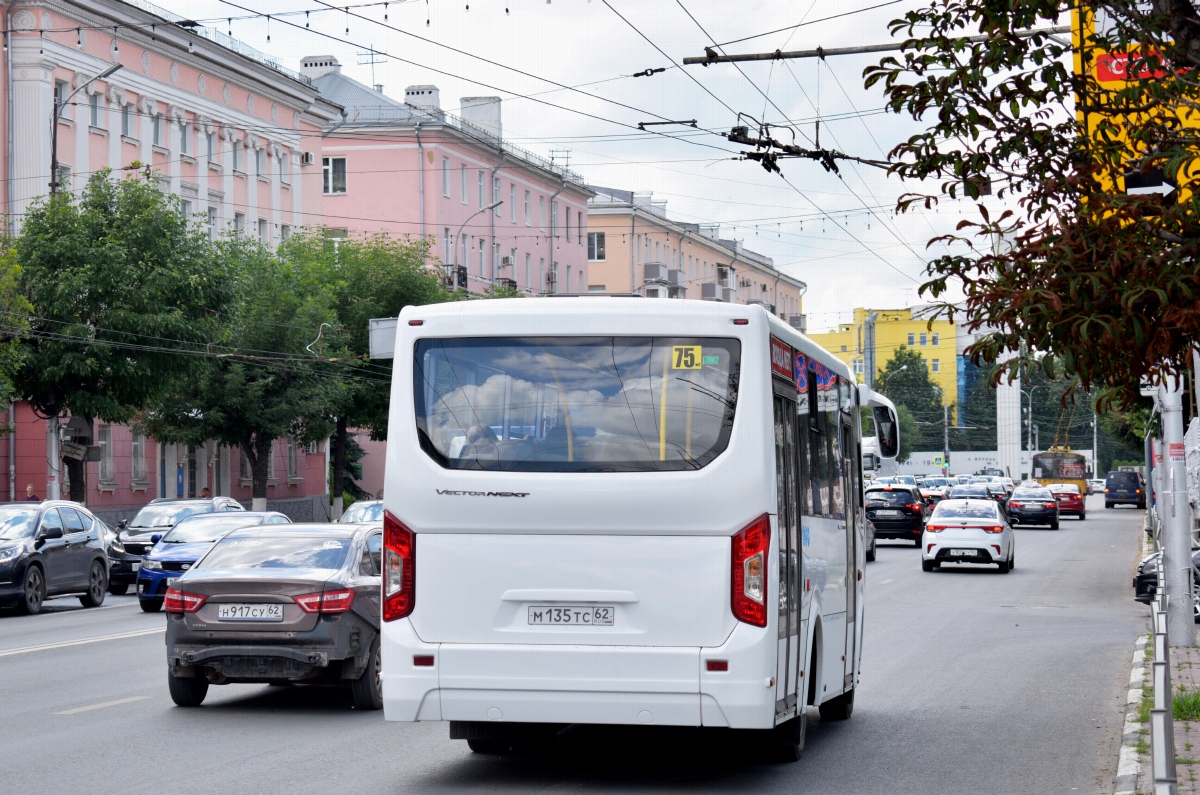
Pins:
x,y
575,404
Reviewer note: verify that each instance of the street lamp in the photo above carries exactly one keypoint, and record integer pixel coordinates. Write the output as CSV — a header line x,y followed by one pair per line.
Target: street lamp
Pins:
x,y
58,106
458,234
1029,422
888,377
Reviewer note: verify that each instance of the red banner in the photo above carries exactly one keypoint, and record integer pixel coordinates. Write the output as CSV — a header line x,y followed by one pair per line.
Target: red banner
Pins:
x,y
781,359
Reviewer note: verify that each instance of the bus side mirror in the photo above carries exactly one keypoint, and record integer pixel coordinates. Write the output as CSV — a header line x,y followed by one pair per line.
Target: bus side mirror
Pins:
x,y
887,430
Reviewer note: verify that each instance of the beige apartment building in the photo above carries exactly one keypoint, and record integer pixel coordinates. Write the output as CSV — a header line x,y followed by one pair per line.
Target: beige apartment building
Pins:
x,y
633,247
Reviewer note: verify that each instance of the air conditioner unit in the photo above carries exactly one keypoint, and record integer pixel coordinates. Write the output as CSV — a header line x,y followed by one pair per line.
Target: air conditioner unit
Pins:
x,y
308,159
675,277
655,272
506,262
551,278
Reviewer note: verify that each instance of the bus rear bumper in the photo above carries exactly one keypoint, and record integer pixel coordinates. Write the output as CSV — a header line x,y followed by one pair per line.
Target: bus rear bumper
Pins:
x,y
628,685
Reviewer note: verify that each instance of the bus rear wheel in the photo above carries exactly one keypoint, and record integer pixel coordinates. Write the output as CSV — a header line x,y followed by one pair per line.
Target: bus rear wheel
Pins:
x,y
787,740
839,707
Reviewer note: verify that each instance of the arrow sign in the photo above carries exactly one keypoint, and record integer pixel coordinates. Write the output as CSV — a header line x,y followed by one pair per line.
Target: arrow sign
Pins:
x,y
1152,181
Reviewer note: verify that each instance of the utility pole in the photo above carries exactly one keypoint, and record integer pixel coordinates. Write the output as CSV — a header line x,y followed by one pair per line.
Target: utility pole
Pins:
x,y
1095,446
1177,536
945,437
869,348
53,458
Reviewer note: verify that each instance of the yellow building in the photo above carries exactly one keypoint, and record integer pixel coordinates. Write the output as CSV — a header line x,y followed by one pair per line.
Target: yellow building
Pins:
x,y
893,328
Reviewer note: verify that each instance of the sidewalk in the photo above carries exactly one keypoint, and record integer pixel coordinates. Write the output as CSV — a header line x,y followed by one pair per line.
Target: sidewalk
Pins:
x,y
1185,675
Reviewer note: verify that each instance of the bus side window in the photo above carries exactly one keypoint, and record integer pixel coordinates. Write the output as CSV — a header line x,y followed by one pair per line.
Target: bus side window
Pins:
x,y
837,497
804,466
816,447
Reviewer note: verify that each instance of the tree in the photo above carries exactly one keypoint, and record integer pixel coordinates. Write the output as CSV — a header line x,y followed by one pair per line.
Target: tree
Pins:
x,y
1096,279
278,368
909,431
126,294
352,473
905,379
368,277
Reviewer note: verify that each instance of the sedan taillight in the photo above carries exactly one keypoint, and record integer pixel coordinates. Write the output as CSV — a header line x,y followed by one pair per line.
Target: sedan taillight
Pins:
x,y
338,601
1012,504
995,528
749,562
176,601
399,568
935,528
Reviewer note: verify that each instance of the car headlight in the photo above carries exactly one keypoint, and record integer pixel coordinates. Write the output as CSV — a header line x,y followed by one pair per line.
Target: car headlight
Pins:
x,y
9,553
151,564
116,546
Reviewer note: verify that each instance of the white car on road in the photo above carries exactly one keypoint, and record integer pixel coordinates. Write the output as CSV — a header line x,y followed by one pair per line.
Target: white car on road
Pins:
x,y
968,531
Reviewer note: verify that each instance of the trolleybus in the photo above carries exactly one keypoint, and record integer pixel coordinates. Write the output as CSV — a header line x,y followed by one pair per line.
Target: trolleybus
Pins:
x,y
621,511
1061,465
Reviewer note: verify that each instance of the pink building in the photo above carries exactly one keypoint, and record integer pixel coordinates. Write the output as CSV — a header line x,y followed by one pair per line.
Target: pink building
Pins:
x,y
224,127
410,168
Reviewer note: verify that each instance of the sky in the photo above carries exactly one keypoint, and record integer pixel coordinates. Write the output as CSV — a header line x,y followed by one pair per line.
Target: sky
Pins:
x,y
836,233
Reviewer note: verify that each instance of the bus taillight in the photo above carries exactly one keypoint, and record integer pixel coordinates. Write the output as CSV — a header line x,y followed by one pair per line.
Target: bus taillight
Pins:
x,y
399,568
750,548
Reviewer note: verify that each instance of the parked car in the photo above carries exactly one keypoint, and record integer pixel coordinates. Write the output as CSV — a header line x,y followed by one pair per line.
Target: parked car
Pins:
x,y
155,518
1033,505
968,531
1070,500
1096,486
51,548
365,511
896,511
300,606
1124,488
184,544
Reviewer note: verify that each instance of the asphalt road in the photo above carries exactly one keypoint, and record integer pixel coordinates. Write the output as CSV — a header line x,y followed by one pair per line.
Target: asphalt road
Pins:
x,y
973,682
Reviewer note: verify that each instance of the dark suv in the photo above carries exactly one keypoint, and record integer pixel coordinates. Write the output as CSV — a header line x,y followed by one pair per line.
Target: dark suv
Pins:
x,y
897,511
156,518
1124,488
50,548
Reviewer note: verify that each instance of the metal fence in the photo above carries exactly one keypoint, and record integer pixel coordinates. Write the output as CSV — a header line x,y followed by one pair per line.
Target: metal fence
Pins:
x,y
1162,723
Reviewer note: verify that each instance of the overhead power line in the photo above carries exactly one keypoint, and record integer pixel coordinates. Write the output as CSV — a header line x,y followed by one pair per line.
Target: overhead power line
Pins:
x,y
711,56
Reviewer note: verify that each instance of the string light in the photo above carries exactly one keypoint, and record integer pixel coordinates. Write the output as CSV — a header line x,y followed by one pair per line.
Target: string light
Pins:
x,y
268,28
230,21
79,38
347,10
385,5
41,36
306,19
152,32
191,49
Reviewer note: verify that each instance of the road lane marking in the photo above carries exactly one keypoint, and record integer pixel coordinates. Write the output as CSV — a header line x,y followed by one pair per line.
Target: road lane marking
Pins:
x,y
116,703
64,644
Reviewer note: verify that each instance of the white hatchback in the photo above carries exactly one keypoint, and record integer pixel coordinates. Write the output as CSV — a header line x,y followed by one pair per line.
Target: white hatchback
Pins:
x,y
968,531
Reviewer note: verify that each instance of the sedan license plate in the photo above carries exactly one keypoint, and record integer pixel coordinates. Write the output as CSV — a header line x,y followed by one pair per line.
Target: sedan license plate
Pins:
x,y
969,553
887,512
137,567
572,615
249,612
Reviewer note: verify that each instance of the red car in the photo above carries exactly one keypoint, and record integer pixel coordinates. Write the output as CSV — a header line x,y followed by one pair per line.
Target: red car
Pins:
x,y
1070,500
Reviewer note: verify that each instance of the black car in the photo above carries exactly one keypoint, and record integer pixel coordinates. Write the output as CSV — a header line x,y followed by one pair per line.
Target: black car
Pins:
x,y
265,605
1145,582
52,548
1124,488
896,511
1033,505
156,518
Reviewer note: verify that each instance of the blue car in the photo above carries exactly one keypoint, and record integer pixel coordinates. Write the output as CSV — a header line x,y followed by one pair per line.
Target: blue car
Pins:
x,y
187,542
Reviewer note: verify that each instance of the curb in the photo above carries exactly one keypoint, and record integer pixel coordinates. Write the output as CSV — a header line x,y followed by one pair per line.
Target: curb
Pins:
x,y
1129,763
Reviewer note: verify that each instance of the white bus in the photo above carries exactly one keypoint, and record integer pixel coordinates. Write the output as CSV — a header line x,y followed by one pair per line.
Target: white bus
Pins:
x,y
620,511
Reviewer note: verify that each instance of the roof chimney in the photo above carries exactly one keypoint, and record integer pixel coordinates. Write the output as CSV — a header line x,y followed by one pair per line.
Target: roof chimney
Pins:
x,y
483,112
423,97
379,88
314,66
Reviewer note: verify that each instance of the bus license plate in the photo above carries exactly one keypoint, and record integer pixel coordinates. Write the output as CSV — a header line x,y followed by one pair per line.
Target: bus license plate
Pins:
x,y
970,553
572,615
249,612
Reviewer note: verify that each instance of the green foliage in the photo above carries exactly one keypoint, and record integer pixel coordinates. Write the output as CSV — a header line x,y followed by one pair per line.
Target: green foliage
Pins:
x,y
272,379
1105,281
15,324
1185,705
910,432
120,285
352,473
905,379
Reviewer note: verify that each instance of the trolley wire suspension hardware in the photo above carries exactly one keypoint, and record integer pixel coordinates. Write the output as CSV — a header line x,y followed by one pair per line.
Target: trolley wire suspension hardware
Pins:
x,y
768,151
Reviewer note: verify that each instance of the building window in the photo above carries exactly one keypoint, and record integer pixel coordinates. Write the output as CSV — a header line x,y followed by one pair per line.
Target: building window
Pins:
x,y
923,340
481,256
292,468
542,213
528,220
512,203
156,130
94,105
935,339
496,195
61,89
446,177
447,259
264,236
528,261
858,366
260,165
237,154
127,120
333,175
936,365
210,144
568,224
912,339
596,246
212,223
285,233
553,219
463,178
104,440
579,232
138,458
185,135
843,349
481,202
285,168
239,224
186,208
